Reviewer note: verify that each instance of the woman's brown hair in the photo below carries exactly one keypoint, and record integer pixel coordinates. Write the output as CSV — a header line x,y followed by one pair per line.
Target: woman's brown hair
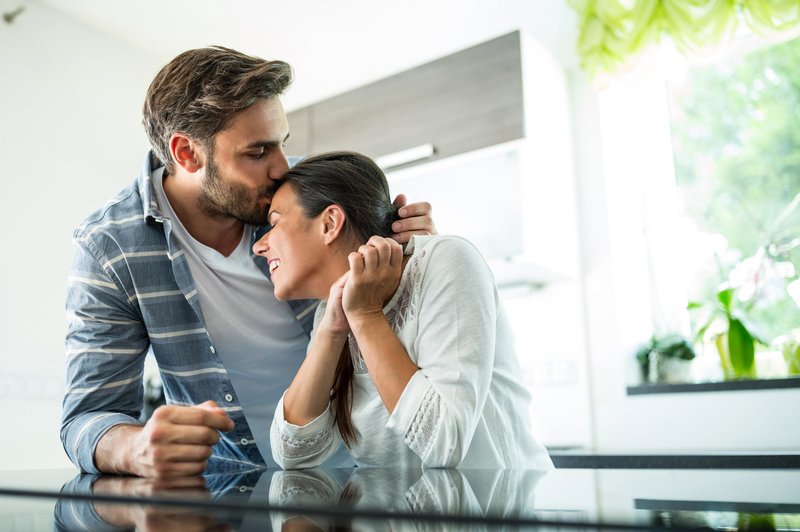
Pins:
x,y
355,183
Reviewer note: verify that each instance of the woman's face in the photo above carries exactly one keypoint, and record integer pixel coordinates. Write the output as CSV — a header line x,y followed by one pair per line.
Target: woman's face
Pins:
x,y
294,249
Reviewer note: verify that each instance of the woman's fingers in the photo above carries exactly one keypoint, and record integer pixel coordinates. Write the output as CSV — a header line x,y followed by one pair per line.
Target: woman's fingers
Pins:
x,y
356,260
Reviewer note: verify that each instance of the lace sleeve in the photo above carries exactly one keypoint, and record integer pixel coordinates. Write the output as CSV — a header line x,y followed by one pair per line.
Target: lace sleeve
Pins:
x,y
295,447
422,431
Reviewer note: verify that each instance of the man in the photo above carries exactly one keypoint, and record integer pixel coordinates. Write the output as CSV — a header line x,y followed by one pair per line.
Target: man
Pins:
x,y
167,266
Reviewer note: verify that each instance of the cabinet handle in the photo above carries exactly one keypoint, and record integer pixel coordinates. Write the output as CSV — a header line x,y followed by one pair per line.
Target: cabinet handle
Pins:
x,y
410,155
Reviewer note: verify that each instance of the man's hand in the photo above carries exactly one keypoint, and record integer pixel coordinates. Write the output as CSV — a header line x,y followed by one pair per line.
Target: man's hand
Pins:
x,y
375,271
416,220
176,441
154,518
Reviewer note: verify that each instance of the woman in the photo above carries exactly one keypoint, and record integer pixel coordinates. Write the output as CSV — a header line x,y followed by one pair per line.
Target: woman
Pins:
x,y
411,360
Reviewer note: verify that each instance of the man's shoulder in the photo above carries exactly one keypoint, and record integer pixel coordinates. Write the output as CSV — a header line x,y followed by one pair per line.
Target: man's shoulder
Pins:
x,y
124,206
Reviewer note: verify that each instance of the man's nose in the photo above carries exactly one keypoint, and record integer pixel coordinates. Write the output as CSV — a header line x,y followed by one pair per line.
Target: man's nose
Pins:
x,y
279,166
262,246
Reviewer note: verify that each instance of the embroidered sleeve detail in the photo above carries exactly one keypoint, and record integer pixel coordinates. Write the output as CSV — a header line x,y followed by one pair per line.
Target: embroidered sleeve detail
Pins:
x,y
421,498
397,315
303,447
359,366
419,436
304,488
403,308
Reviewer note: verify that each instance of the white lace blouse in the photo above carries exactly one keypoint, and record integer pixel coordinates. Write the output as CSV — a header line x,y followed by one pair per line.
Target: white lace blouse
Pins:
x,y
466,405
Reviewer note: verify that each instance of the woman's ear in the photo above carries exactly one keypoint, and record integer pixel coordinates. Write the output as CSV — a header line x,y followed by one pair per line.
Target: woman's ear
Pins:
x,y
333,222
185,152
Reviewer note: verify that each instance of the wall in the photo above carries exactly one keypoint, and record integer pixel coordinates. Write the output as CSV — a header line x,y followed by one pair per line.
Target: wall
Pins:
x,y
69,139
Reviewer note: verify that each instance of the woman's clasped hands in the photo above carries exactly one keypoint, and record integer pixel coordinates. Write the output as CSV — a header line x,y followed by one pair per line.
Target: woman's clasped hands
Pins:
x,y
360,294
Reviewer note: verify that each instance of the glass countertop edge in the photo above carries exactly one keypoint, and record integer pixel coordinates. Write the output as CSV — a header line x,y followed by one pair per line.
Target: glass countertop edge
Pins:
x,y
227,504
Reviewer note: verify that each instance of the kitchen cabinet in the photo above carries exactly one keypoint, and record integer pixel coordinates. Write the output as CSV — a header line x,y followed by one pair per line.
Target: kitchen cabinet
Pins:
x,y
299,141
498,167
456,104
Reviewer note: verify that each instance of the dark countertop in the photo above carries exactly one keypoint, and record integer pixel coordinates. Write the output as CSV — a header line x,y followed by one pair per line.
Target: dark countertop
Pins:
x,y
442,499
676,460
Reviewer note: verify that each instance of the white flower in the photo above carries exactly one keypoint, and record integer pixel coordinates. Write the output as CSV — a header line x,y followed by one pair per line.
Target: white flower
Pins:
x,y
761,277
794,291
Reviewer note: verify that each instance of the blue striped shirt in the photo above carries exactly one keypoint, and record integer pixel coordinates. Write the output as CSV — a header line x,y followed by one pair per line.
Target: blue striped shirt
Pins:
x,y
130,291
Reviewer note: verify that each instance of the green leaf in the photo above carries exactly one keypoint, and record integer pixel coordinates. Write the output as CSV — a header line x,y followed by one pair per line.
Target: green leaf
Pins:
x,y
725,297
694,305
741,348
701,331
754,330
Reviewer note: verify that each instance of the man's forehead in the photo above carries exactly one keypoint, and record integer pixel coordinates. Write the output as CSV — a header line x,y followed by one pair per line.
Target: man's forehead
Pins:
x,y
264,121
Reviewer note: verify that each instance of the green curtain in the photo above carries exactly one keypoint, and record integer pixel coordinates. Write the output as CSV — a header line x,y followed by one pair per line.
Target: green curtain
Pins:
x,y
612,31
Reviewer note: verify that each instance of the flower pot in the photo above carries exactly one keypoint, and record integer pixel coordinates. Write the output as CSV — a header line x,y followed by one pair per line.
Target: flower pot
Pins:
x,y
731,368
791,353
668,369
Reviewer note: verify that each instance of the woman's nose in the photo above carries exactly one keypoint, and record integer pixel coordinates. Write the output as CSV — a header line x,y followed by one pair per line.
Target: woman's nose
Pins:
x,y
262,245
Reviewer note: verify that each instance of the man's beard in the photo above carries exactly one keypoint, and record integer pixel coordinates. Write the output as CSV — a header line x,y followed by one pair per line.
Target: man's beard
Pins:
x,y
220,200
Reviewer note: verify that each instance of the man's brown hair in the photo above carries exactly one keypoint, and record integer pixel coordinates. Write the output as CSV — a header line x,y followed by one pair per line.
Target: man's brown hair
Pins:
x,y
197,93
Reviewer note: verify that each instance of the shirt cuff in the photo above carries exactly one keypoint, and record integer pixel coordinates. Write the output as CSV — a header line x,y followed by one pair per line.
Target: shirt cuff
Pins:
x,y
85,433
315,426
409,403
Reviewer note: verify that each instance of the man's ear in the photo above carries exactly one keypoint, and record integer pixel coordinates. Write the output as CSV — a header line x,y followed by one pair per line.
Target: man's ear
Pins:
x,y
333,221
185,152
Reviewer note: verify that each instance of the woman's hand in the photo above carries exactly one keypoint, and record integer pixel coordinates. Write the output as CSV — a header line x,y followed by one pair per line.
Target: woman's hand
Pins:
x,y
375,271
334,321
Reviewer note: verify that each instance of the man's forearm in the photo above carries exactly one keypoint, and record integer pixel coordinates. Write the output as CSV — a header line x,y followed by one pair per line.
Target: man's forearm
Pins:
x,y
113,451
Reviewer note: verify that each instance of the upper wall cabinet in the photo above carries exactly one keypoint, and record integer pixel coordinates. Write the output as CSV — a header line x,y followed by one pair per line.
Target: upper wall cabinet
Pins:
x,y
457,104
484,135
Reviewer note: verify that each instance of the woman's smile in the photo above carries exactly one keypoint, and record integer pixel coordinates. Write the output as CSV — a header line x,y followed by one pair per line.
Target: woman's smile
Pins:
x,y
274,264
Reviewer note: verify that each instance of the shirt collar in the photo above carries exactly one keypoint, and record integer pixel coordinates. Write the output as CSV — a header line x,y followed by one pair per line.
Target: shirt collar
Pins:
x,y
146,188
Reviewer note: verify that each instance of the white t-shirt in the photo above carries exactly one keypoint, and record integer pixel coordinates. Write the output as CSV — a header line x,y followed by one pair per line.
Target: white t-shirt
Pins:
x,y
258,338
465,407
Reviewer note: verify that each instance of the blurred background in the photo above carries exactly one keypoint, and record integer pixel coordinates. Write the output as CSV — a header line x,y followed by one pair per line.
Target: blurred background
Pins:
x,y
630,174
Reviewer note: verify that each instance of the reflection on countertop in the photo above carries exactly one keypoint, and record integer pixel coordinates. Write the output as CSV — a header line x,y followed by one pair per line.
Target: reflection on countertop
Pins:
x,y
392,499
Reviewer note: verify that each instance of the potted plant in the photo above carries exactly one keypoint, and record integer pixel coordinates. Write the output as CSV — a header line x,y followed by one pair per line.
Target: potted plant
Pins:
x,y
725,326
762,288
666,359
790,346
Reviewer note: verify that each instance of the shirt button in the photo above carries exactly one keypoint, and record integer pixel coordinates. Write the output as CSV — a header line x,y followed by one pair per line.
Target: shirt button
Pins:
x,y
212,349
243,441
228,397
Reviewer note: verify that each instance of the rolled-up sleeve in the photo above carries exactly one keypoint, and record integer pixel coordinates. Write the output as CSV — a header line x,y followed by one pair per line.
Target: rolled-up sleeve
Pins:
x,y
106,344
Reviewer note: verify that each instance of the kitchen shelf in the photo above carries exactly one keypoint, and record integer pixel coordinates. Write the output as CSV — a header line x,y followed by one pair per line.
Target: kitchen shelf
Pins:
x,y
722,386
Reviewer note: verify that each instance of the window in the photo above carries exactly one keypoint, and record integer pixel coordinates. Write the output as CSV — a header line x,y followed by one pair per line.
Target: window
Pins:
x,y
735,128
702,165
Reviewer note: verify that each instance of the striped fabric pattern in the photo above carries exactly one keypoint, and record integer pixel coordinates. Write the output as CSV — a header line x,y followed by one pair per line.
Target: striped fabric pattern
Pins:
x,y
130,292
